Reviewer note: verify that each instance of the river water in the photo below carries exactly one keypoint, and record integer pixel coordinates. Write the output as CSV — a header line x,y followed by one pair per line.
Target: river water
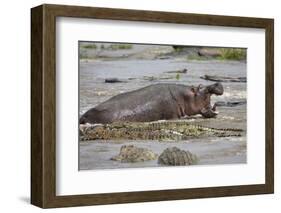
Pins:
x,y
138,73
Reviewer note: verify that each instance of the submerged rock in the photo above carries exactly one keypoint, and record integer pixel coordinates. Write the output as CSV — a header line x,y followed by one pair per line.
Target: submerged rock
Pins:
x,y
174,156
132,154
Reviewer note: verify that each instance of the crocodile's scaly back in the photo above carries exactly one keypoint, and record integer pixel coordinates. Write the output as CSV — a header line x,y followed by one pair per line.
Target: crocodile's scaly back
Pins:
x,y
165,130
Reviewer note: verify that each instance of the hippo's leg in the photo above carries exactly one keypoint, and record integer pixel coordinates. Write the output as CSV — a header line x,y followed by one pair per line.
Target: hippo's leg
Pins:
x,y
209,112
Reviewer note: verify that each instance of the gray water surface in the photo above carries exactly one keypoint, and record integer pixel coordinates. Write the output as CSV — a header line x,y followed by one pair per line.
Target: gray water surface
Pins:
x,y
210,150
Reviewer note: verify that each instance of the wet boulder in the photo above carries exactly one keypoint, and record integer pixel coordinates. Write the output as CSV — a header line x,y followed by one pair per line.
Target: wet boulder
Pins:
x,y
174,156
132,154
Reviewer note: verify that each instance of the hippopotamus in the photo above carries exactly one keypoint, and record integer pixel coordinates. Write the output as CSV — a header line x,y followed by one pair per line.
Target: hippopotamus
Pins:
x,y
155,102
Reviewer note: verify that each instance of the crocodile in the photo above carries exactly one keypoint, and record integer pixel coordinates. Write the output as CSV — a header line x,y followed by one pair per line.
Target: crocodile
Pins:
x,y
160,130
174,156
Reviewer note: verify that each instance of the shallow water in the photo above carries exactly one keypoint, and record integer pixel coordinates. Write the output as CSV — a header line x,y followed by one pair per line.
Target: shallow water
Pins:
x,y
210,150
96,155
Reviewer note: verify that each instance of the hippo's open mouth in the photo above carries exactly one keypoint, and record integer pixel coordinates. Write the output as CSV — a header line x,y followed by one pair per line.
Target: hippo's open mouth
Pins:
x,y
210,111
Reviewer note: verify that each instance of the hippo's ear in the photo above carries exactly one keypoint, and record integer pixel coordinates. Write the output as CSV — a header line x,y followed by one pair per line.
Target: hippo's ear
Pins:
x,y
200,86
193,89
196,90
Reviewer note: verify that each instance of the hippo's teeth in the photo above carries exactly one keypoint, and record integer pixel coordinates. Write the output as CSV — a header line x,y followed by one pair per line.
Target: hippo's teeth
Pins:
x,y
214,107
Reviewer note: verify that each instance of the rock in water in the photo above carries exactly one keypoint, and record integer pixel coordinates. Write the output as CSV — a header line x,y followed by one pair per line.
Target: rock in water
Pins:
x,y
174,156
132,154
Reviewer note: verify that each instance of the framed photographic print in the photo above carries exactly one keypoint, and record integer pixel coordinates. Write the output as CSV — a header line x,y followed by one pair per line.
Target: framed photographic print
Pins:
x,y
136,106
